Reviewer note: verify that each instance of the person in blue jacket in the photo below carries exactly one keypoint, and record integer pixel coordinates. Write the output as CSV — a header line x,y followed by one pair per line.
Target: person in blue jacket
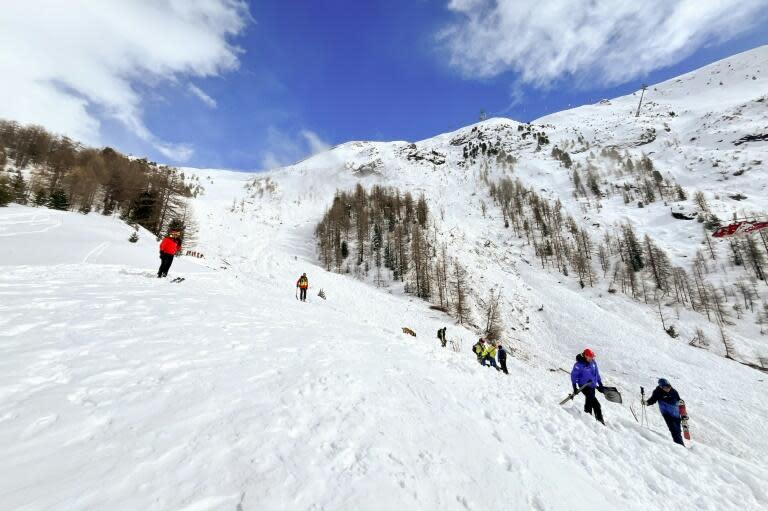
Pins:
x,y
585,371
669,406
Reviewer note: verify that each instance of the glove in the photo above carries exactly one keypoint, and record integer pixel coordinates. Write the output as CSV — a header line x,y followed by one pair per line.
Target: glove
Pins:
x,y
600,388
574,388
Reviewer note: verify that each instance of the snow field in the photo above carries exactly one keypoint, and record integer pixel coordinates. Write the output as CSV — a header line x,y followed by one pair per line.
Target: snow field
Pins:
x,y
222,392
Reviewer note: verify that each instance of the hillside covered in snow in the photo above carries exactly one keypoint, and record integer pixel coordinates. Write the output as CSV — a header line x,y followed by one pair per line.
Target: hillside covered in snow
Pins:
x,y
125,391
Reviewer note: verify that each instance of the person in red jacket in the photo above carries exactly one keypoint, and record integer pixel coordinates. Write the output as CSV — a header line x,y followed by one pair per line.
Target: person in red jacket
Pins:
x,y
168,248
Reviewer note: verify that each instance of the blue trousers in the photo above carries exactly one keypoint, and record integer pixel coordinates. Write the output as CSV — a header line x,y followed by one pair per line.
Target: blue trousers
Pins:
x,y
673,423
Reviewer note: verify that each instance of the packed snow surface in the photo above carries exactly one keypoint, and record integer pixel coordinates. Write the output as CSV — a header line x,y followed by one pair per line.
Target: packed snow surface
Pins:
x,y
122,391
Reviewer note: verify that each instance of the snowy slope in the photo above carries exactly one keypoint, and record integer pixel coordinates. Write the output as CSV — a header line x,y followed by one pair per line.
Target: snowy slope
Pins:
x,y
224,392
696,119
39,236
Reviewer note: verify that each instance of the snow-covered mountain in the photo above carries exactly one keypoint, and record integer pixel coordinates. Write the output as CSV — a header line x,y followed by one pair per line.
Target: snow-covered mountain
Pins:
x,y
225,392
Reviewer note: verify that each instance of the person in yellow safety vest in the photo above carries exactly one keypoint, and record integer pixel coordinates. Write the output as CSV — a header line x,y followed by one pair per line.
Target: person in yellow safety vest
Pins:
x,y
303,285
489,355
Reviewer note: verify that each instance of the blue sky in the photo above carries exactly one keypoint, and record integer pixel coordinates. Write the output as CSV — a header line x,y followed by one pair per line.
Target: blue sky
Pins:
x,y
268,82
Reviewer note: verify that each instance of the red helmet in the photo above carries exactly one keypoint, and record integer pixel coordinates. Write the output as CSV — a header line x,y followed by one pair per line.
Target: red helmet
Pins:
x,y
588,353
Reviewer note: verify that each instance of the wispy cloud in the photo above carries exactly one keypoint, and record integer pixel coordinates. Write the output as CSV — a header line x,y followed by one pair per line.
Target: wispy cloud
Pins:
x,y
72,65
316,144
285,148
604,42
202,96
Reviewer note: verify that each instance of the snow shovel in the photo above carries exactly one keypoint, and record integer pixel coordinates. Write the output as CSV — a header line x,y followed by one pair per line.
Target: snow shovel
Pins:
x,y
573,394
612,394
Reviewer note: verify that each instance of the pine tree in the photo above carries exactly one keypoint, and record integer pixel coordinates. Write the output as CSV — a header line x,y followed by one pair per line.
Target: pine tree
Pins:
x,y
577,184
459,288
388,256
19,187
762,318
143,211
755,257
422,211
701,201
6,192
634,252
376,244
58,200
593,184
491,310
658,264
40,198
747,294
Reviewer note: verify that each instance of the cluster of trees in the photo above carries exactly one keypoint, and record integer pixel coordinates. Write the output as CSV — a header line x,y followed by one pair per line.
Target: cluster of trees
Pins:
x,y
481,148
639,181
56,172
391,235
557,240
486,148
540,137
638,268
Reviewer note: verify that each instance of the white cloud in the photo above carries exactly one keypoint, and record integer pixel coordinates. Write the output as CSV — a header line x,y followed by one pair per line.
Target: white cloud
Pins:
x,y
202,96
316,144
71,65
606,42
285,149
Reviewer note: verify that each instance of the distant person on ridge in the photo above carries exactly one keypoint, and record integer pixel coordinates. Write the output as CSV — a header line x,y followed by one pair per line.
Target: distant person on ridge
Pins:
x,y
585,371
502,357
168,248
669,406
303,285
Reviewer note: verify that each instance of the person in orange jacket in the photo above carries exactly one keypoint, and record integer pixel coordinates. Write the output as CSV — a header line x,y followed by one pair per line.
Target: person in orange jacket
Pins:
x,y
303,285
168,248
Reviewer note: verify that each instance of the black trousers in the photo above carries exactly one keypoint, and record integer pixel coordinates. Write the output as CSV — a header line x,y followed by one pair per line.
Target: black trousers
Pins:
x,y
503,364
591,404
165,264
303,294
673,423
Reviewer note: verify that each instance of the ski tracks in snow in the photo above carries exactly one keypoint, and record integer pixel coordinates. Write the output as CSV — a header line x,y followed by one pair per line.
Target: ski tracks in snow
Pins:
x,y
35,222
96,252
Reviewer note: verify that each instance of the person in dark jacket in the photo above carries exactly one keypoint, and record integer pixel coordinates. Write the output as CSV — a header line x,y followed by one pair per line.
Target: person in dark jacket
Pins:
x,y
478,349
669,406
168,248
502,354
585,371
441,336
